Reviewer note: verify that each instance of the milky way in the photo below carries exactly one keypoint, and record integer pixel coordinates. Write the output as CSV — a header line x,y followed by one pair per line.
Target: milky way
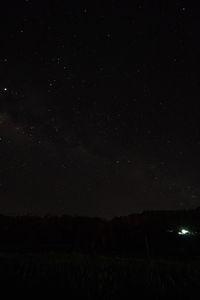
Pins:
x,y
98,108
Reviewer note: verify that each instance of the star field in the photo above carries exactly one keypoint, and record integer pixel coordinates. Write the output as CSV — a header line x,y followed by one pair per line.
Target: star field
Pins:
x,y
99,107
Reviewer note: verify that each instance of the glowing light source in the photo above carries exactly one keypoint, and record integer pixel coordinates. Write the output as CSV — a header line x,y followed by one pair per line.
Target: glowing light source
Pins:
x,y
183,232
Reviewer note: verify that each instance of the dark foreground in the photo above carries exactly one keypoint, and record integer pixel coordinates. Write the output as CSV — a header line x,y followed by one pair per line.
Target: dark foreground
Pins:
x,y
83,276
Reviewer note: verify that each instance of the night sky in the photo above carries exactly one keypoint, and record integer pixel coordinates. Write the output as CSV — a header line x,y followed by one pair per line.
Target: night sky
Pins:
x,y
99,107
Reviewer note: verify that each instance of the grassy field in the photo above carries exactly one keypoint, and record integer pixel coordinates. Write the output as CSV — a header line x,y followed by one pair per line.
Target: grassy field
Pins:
x,y
99,277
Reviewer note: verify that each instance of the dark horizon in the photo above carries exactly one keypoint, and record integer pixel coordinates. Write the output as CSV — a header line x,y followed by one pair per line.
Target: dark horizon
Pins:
x,y
103,218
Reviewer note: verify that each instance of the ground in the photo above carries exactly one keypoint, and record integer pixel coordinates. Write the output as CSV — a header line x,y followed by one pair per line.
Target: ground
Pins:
x,y
99,277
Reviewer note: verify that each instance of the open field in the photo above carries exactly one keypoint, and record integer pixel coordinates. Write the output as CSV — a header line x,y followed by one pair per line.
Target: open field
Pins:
x,y
99,277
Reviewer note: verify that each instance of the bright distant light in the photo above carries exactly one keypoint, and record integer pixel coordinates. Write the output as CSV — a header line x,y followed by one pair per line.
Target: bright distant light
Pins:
x,y
5,89
183,232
